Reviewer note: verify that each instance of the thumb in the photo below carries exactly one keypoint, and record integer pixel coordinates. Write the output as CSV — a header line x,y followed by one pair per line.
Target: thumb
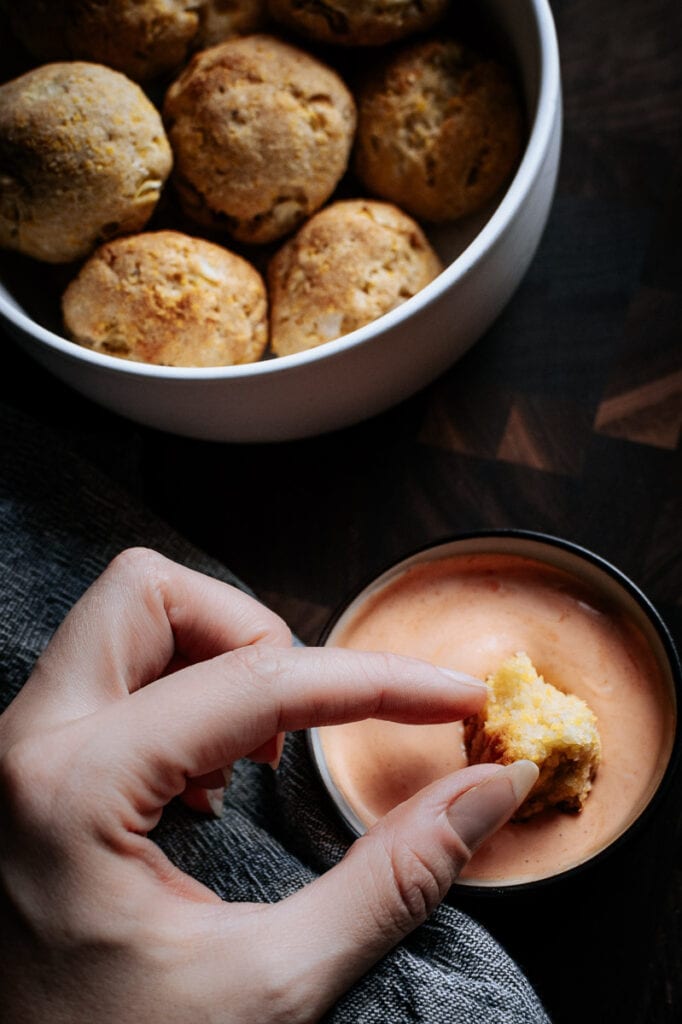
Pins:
x,y
395,876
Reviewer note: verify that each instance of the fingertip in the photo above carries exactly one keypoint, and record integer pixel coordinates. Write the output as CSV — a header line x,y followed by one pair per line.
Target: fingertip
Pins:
x,y
465,680
215,799
204,801
523,775
269,752
279,747
479,812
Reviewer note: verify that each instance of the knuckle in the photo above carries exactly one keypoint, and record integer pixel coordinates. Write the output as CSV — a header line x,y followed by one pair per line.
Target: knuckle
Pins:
x,y
41,787
268,626
275,629
255,675
135,563
419,884
26,790
262,663
417,887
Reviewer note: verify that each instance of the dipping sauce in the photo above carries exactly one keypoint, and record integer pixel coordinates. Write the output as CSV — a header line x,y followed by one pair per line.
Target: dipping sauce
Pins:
x,y
470,612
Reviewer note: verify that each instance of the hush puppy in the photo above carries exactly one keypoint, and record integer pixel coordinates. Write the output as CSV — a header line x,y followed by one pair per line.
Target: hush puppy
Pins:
x,y
142,38
167,298
358,22
261,133
440,129
83,158
349,264
527,717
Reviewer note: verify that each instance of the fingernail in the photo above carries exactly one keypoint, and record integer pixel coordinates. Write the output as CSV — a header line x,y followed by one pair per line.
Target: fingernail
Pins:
x,y
462,678
227,774
274,764
484,808
215,801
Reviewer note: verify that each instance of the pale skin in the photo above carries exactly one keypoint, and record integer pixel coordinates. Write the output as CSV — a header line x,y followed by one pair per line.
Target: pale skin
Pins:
x,y
158,680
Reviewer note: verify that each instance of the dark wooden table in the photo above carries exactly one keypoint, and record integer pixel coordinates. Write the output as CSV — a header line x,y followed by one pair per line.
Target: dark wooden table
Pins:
x,y
564,418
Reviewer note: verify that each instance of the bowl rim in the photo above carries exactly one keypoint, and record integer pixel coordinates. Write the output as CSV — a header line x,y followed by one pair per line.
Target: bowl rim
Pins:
x,y
347,815
547,107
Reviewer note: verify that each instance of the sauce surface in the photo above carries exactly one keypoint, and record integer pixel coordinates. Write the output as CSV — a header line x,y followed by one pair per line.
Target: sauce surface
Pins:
x,y
470,612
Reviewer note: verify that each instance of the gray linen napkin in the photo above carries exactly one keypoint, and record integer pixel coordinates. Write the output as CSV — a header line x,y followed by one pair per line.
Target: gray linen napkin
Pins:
x,y
61,521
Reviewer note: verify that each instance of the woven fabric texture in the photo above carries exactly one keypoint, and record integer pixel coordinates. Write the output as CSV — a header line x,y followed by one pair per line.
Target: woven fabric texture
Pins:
x,y
61,521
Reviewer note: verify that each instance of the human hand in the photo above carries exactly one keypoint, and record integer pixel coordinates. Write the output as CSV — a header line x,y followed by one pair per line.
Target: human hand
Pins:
x,y
156,681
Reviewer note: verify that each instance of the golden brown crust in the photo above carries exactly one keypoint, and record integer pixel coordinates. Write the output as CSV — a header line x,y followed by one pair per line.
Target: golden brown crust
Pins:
x,y
144,39
141,38
527,718
261,133
83,157
358,22
349,264
439,130
167,298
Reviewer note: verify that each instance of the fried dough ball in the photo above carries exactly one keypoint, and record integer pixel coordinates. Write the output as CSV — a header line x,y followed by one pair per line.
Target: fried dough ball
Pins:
x,y
83,158
440,130
358,22
261,132
141,38
167,298
527,717
349,264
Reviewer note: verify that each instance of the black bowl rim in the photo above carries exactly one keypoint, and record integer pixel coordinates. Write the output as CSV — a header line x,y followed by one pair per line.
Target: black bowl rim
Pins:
x,y
657,622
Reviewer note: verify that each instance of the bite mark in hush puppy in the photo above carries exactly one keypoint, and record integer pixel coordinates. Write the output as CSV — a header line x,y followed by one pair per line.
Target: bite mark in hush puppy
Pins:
x,y
526,717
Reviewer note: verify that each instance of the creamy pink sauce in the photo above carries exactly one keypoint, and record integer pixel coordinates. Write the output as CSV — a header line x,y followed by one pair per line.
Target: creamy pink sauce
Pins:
x,y
470,612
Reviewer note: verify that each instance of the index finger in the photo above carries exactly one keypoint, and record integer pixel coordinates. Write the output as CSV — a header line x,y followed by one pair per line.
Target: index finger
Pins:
x,y
189,724
143,613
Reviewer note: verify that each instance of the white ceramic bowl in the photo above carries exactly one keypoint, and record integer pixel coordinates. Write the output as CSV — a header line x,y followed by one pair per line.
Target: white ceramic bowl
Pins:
x,y
368,371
